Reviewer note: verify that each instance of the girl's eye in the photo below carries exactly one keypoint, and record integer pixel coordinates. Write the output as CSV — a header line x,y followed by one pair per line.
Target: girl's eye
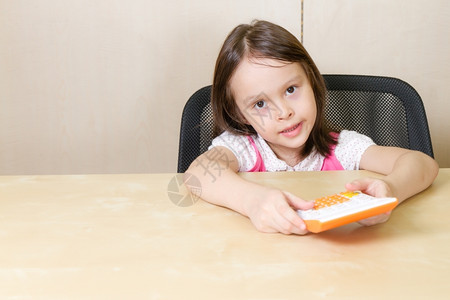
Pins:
x,y
260,104
290,90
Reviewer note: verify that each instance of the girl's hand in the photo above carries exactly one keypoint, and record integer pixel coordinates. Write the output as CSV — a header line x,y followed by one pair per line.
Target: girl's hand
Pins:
x,y
275,211
373,187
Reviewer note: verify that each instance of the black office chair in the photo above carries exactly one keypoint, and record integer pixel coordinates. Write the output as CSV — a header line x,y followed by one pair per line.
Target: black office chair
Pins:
x,y
386,109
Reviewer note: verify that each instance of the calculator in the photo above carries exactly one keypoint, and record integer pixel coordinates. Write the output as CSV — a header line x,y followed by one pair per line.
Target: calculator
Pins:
x,y
343,208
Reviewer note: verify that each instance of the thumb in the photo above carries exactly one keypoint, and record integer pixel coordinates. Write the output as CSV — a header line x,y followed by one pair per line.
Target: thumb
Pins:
x,y
297,202
357,185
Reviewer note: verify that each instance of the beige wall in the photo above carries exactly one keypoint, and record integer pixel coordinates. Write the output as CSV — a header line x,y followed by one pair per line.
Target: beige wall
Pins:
x,y
99,86
409,40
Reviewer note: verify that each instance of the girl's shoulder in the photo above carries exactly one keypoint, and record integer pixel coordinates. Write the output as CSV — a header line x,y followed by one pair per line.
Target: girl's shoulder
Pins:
x,y
239,145
346,137
229,140
350,148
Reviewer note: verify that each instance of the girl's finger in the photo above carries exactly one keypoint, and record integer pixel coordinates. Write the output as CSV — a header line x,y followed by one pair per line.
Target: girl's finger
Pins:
x,y
297,202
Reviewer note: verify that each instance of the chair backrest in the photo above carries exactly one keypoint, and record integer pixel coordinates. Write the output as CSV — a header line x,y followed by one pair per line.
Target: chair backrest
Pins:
x,y
386,109
196,130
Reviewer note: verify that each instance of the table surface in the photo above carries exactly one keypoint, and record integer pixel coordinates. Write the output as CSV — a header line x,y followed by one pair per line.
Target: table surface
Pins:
x,y
140,237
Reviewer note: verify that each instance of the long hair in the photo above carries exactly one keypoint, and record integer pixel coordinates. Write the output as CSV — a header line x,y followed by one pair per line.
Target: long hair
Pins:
x,y
262,39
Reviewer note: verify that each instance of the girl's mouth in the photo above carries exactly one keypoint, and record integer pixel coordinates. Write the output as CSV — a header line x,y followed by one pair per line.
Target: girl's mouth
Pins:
x,y
292,131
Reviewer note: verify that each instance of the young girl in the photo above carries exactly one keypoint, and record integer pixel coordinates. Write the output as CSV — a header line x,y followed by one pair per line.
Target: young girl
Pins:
x,y
268,100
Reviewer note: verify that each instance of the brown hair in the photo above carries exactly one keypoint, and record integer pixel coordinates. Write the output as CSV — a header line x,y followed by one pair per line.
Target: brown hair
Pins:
x,y
262,39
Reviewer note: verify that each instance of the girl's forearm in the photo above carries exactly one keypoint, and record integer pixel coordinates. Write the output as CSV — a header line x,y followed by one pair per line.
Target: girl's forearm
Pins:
x,y
412,173
225,188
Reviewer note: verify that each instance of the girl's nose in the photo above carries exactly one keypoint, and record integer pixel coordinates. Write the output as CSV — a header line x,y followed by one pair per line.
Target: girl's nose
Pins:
x,y
285,111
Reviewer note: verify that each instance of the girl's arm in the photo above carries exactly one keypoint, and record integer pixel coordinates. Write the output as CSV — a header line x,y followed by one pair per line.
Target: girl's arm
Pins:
x,y
270,210
406,173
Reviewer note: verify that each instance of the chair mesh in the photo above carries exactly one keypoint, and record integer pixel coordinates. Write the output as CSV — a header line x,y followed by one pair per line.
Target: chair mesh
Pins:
x,y
196,128
381,116
206,130
392,112
386,109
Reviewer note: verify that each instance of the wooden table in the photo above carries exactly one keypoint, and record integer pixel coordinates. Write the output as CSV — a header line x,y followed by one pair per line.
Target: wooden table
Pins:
x,y
122,237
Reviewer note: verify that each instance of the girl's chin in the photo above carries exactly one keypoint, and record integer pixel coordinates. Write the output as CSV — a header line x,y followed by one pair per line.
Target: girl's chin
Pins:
x,y
293,146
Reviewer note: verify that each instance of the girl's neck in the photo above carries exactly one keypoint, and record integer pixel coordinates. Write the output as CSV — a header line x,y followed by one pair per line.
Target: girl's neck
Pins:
x,y
292,157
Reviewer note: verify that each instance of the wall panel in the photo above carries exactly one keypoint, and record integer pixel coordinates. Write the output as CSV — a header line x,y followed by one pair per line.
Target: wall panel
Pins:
x,y
99,86
404,39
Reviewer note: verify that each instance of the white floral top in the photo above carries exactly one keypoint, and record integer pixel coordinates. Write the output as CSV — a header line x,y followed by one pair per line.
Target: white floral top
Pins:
x,y
351,146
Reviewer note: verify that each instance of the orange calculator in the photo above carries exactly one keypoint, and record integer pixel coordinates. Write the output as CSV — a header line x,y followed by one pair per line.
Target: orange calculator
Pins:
x,y
346,207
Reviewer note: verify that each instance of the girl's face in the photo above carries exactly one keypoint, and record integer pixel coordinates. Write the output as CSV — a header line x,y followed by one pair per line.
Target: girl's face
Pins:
x,y
276,98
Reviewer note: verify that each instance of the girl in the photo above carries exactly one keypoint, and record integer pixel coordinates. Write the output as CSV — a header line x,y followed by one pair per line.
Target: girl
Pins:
x,y
268,100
